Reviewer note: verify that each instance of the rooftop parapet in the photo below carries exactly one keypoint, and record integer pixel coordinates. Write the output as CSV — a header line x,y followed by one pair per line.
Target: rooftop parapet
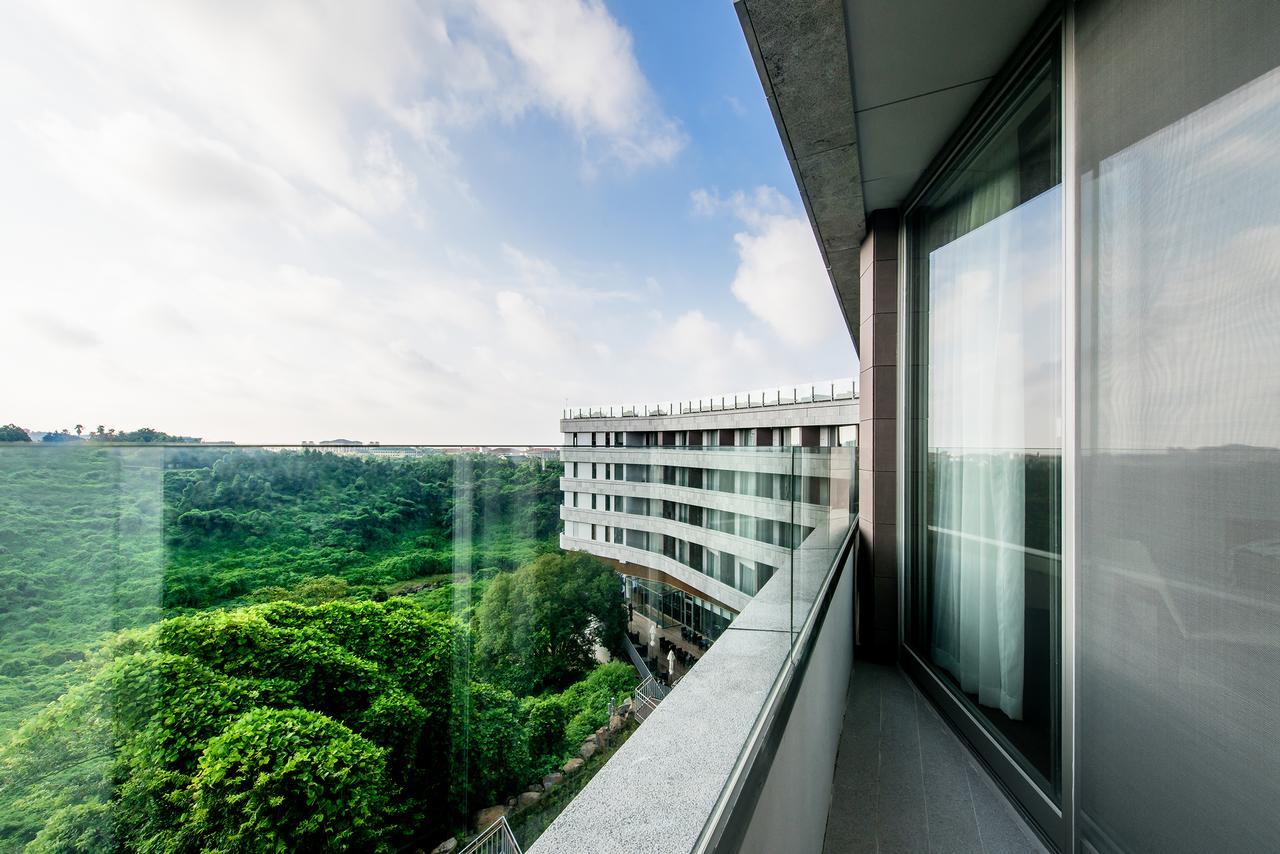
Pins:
x,y
816,392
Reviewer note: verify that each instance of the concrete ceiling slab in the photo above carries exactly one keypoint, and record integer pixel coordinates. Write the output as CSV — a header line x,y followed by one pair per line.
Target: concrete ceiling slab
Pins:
x,y
918,68
900,139
907,49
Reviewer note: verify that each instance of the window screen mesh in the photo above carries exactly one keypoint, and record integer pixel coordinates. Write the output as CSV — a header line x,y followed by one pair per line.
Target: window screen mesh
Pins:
x,y
1179,583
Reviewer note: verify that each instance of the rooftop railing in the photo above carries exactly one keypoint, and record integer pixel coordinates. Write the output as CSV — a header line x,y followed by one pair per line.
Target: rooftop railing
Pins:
x,y
819,392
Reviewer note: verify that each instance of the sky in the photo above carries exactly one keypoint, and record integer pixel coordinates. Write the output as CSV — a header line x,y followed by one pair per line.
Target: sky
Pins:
x,y
435,222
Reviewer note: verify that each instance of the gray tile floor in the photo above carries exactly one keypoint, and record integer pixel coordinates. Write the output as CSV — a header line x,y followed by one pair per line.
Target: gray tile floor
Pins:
x,y
905,783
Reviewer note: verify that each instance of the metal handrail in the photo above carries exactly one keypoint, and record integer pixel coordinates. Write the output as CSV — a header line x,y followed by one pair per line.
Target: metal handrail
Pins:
x,y
637,660
497,838
646,697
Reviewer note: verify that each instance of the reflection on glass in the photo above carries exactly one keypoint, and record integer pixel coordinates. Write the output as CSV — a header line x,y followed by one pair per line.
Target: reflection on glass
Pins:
x,y
213,648
988,297
1179,597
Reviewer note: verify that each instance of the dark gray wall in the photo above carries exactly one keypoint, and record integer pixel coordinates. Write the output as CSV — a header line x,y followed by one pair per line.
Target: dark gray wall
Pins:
x,y
877,601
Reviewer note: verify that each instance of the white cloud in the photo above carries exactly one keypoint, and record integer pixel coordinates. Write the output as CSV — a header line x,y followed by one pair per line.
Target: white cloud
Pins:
x,y
780,276
234,221
580,63
229,219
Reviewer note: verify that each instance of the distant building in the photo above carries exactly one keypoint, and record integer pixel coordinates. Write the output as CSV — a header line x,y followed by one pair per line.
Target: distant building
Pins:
x,y
689,503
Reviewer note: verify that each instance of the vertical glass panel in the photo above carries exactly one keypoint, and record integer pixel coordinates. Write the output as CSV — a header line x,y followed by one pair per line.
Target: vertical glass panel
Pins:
x,y
986,287
1179,593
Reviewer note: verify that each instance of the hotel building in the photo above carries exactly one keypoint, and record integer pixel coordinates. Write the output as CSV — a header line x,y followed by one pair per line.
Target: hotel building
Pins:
x,y
698,504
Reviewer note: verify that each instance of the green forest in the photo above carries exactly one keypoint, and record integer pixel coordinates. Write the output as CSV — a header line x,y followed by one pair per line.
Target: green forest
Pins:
x,y
216,649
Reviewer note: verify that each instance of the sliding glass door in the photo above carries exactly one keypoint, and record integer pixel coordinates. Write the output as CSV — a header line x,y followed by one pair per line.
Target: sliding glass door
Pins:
x,y
984,437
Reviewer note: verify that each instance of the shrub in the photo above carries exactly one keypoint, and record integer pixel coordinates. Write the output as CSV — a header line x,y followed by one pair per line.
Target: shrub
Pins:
x,y
288,780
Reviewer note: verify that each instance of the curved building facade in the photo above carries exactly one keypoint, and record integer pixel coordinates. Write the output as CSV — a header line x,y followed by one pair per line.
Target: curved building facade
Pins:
x,y
699,504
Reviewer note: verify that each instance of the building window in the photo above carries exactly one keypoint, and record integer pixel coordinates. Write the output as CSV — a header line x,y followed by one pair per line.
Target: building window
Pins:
x,y
983,486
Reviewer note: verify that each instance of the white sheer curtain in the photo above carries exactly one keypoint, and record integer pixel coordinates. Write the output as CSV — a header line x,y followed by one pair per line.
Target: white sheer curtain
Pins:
x,y
978,363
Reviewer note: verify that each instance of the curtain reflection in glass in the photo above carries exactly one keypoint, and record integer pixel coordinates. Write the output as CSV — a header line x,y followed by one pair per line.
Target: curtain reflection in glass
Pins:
x,y
994,344
986,293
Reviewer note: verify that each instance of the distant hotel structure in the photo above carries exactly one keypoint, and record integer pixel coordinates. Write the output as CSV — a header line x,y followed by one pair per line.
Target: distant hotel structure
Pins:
x,y
684,500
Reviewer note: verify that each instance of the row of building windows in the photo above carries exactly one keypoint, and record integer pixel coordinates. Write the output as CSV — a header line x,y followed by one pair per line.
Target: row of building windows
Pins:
x,y
770,531
725,567
805,488
748,437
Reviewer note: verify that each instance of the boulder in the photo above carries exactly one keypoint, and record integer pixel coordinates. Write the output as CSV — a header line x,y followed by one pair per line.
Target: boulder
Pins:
x,y
552,780
588,749
488,816
447,847
527,799
615,724
573,766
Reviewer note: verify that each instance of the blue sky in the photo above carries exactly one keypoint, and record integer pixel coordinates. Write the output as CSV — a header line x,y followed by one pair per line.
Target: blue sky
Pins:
x,y
406,222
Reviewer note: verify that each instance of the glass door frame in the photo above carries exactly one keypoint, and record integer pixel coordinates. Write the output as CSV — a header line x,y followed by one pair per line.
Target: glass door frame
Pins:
x,y
1053,819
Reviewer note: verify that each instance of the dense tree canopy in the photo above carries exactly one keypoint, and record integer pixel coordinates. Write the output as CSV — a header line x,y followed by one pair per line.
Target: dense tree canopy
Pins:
x,y
277,722
13,433
214,649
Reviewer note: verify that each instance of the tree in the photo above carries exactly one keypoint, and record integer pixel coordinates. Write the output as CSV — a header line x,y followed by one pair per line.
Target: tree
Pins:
x,y
289,780
537,628
79,429
497,745
13,433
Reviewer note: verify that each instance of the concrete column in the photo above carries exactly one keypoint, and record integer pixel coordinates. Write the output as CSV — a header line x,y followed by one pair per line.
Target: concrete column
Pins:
x,y
877,601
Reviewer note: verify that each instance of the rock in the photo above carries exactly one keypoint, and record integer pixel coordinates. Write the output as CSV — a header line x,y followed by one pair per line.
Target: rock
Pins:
x,y
447,847
511,803
527,799
573,766
588,749
615,724
552,780
488,816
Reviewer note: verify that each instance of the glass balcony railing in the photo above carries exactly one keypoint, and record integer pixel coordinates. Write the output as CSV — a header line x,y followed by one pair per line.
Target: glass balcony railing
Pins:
x,y
209,647
765,532
218,648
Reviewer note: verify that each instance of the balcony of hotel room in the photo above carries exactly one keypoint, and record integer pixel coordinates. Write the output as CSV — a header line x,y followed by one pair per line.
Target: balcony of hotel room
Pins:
x,y
1086,179
829,714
